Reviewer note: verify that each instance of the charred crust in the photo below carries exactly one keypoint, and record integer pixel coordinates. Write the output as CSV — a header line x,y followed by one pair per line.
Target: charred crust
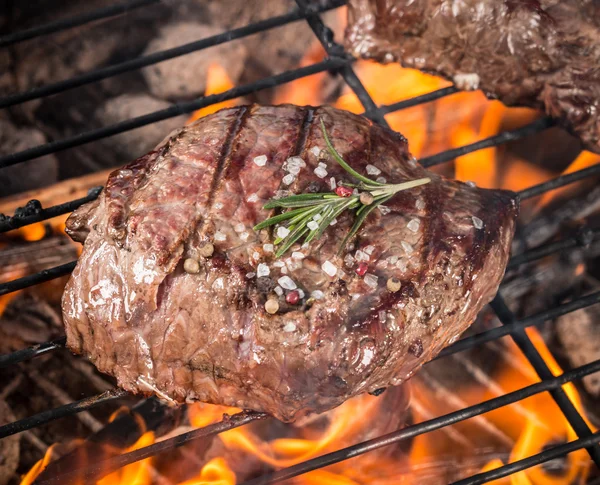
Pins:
x,y
378,392
339,288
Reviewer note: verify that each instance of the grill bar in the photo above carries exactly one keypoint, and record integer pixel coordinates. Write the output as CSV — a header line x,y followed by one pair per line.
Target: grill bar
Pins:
x,y
22,355
15,222
34,279
60,412
559,182
170,112
325,36
155,58
543,371
92,473
537,459
426,426
527,130
417,100
75,21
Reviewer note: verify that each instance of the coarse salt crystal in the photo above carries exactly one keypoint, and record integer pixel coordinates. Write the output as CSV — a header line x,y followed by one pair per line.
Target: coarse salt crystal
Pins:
x,y
381,180
297,255
332,183
255,255
288,179
320,172
477,222
329,268
420,204
401,265
313,226
412,161
278,290
287,283
279,264
369,249
282,232
470,183
382,315
305,245
333,222
293,264
408,249
263,270
384,209
317,217
373,170
218,284
268,248
289,327
250,275
322,164
219,236
293,165
361,256
355,296
218,205
316,151
371,280
413,225
317,294
261,160
349,260
301,293
244,236
239,227
381,264
252,198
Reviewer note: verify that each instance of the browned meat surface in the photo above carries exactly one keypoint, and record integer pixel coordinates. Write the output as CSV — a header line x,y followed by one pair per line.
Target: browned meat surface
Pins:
x,y
544,54
137,314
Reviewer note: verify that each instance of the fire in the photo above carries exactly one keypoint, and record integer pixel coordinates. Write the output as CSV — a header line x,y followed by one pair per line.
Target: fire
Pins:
x,y
217,82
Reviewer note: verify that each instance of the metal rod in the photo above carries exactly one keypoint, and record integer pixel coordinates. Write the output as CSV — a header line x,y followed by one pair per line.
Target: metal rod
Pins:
x,y
90,474
424,98
36,278
466,343
57,210
156,57
561,181
170,112
31,352
59,412
75,21
426,426
325,36
531,461
527,130
526,346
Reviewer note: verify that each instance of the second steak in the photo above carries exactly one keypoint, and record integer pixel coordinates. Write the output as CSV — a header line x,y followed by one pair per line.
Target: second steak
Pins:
x,y
543,54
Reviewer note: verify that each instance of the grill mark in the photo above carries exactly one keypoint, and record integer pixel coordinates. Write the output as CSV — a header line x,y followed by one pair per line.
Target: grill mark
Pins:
x,y
225,159
298,150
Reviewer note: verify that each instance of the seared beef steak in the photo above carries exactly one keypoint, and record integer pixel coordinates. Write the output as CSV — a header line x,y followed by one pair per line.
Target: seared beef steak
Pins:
x,y
131,307
539,53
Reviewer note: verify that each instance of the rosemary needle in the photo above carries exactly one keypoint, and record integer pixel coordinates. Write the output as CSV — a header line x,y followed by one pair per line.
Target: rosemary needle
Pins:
x,y
312,214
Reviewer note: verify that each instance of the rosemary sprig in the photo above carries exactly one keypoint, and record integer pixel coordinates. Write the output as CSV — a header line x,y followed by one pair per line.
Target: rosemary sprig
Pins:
x,y
312,214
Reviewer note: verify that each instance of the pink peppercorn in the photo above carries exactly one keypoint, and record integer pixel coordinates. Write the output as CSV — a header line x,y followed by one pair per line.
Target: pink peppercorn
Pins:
x,y
292,297
362,269
343,191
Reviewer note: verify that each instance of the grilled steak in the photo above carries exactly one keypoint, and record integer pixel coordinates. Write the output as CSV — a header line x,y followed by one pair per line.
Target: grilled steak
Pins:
x,y
203,334
544,54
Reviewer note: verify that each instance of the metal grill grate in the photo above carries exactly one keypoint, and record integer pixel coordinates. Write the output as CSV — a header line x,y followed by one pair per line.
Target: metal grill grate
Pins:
x,y
339,62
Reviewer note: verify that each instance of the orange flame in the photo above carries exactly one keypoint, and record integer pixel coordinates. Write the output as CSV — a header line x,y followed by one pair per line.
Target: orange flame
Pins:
x,y
217,82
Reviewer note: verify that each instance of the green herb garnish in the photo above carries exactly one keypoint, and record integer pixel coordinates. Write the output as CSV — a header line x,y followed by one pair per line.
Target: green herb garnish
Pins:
x,y
323,208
